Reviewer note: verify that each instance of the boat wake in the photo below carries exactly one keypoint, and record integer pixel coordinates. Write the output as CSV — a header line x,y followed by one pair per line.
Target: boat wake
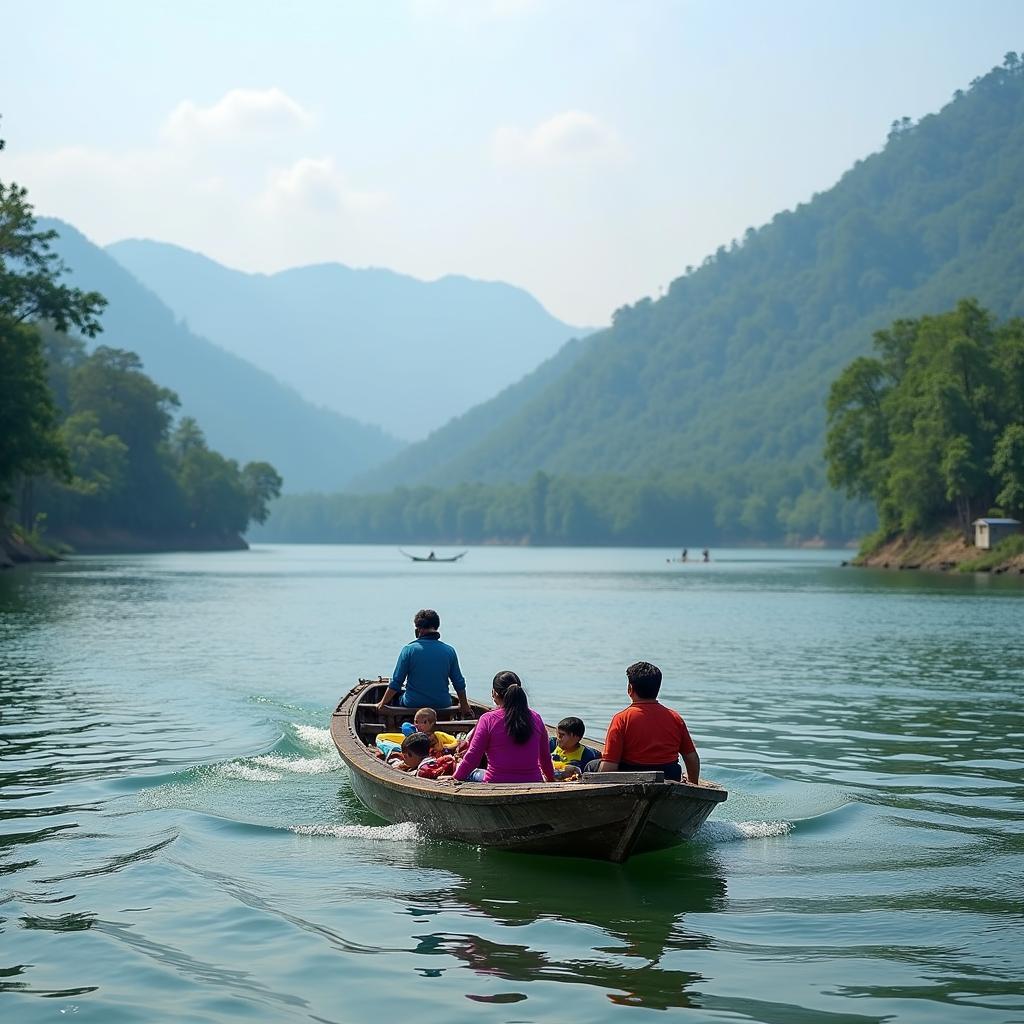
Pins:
x,y
247,773
405,831
834,820
302,750
715,832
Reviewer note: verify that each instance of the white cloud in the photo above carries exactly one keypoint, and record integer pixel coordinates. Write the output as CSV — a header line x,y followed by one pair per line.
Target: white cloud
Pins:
x,y
239,114
316,186
255,209
573,135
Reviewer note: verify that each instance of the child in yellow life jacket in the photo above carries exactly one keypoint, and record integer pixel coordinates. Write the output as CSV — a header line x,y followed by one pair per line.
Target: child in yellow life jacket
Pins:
x,y
425,721
568,754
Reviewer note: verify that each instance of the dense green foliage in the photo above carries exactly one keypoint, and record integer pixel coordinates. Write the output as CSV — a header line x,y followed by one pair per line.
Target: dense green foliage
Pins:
x,y
933,425
30,289
673,511
724,378
85,440
245,412
132,469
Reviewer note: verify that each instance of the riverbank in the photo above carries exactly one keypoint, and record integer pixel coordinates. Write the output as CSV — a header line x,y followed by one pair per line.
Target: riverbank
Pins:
x,y
943,550
16,548
127,542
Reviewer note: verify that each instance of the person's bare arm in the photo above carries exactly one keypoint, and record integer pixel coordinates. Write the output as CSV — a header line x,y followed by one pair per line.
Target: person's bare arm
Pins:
x,y
692,762
389,695
609,766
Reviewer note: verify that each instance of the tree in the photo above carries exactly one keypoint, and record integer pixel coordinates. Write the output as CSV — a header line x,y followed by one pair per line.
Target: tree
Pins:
x,y
30,291
916,428
29,439
187,437
1008,467
98,460
111,384
858,443
262,483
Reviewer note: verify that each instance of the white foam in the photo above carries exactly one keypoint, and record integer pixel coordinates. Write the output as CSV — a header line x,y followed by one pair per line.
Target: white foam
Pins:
x,y
735,831
405,831
248,773
298,765
314,736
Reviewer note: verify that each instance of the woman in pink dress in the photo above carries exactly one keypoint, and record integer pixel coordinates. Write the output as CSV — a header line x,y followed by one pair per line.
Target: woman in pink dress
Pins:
x,y
512,736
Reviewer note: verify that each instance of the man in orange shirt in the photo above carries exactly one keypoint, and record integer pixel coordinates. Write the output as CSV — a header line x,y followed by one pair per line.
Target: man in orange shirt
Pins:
x,y
647,736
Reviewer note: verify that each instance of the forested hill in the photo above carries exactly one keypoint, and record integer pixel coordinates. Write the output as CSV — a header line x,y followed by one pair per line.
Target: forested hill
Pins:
x,y
245,412
461,434
404,354
728,373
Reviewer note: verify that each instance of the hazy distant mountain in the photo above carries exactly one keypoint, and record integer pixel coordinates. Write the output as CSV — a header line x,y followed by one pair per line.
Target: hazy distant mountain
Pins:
x,y
245,413
405,354
727,374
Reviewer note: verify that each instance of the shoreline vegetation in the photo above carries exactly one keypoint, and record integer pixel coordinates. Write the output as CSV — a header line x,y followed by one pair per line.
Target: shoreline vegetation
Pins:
x,y
931,431
93,453
19,548
941,550
624,451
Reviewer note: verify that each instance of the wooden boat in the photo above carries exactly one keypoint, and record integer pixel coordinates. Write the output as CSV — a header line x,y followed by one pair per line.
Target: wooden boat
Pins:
x,y
607,815
432,557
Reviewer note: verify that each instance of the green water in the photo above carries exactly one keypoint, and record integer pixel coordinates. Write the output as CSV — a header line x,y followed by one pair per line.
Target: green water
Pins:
x,y
178,840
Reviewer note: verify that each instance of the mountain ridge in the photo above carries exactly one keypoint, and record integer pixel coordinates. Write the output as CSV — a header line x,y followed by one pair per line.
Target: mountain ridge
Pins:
x,y
339,334
245,413
726,375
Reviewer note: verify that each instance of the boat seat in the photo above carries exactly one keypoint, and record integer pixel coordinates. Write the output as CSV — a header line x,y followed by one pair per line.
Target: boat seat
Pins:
x,y
399,709
620,778
463,725
372,706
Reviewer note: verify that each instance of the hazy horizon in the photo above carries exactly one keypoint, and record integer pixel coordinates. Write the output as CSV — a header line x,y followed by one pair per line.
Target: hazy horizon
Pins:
x,y
584,152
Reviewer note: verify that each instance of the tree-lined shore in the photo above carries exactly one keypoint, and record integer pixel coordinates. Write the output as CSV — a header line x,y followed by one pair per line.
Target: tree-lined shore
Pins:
x,y
90,450
932,426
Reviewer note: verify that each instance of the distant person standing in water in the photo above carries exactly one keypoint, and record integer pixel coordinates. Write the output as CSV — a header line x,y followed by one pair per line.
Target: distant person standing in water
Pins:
x,y
686,554
706,555
424,668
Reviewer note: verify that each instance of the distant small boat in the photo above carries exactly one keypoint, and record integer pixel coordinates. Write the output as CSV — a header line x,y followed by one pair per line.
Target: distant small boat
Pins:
x,y
432,557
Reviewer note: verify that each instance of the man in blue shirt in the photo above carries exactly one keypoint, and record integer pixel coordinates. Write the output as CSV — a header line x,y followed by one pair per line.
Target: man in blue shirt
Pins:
x,y
425,666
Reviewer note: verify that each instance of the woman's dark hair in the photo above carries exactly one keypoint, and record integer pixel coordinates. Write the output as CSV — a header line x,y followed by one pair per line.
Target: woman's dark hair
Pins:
x,y
518,720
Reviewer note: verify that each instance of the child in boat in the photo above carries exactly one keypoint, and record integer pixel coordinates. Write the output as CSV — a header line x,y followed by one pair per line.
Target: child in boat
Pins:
x,y
415,758
425,721
568,754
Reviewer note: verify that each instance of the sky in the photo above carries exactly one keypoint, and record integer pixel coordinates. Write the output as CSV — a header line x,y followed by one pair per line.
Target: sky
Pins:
x,y
584,150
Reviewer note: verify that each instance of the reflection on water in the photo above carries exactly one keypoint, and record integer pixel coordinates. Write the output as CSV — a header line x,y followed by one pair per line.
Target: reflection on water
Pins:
x,y
623,909
177,830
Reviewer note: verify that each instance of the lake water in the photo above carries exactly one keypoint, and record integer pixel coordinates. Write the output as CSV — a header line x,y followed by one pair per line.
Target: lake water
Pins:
x,y
179,841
